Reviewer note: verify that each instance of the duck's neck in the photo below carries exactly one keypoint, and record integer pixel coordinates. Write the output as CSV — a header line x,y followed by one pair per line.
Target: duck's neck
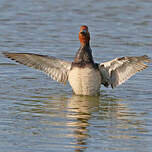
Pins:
x,y
84,54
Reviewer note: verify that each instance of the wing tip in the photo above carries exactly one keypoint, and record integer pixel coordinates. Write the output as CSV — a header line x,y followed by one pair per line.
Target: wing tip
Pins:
x,y
146,58
7,54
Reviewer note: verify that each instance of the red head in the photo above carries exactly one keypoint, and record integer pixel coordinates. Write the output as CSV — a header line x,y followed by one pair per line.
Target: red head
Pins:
x,y
84,35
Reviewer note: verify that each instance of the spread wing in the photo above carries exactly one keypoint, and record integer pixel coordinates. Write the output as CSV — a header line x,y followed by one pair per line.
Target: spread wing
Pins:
x,y
56,68
117,71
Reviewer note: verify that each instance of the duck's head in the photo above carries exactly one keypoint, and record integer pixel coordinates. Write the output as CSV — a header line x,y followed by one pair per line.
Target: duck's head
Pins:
x,y
84,35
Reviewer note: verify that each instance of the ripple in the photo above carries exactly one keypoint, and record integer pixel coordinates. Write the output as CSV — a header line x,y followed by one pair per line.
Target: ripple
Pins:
x,y
38,114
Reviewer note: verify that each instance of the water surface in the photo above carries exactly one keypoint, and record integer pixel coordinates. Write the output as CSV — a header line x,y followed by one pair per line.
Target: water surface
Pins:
x,y
38,114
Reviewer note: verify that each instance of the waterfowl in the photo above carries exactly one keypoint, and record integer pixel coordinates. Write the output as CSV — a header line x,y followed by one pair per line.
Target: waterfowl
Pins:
x,y
84,75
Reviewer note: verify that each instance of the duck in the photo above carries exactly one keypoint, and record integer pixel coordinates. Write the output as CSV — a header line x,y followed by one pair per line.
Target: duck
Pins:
x,y
84,75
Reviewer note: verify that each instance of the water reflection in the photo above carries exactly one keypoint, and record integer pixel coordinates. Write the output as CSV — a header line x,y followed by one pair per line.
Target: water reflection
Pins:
x,y
113,120
79,113
73,112
79,119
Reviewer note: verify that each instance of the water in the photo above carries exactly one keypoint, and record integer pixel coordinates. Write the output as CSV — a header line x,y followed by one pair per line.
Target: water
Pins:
x,y
37,114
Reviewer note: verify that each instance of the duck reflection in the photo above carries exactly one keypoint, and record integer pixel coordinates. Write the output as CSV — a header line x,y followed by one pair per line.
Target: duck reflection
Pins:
x,y
79,114
80,119
80,111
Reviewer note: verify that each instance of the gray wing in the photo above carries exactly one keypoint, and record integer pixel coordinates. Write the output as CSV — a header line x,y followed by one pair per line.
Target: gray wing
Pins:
x,y
56,68
117,71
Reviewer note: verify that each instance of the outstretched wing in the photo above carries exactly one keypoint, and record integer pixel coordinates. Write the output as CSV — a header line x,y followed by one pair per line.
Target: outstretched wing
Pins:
x,y
56,68
117,71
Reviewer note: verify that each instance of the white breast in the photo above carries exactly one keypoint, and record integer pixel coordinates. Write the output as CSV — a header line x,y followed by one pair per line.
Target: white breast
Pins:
x,y
85,81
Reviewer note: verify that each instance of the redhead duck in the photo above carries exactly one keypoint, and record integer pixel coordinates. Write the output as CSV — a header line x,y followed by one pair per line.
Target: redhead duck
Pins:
x,y
84,75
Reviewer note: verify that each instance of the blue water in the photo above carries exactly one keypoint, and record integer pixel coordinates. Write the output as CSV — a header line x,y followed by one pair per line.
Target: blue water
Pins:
x,y
38,114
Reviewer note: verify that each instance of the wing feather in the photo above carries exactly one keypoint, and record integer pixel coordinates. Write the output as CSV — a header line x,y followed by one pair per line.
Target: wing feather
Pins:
x,y
117,71
56,68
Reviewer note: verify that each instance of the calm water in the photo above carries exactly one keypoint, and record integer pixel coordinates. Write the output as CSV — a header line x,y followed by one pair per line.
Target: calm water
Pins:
x,y
39,115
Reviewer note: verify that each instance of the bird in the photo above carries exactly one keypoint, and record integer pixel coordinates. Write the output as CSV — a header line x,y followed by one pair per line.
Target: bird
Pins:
x,y
84,75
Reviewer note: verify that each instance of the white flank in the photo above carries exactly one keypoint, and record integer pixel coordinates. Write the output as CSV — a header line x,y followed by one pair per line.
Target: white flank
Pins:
x,y
85,81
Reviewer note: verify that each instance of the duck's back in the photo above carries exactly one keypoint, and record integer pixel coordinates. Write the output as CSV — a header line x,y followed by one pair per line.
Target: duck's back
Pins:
x,y
85,80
